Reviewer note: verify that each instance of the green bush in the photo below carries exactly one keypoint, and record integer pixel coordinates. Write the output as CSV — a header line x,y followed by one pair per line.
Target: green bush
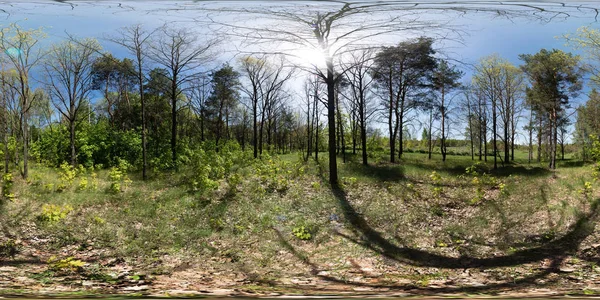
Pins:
x,y
53,213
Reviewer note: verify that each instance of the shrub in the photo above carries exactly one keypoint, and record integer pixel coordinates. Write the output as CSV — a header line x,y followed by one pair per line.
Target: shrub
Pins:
x,y
7,184
118,179
68,264
53,213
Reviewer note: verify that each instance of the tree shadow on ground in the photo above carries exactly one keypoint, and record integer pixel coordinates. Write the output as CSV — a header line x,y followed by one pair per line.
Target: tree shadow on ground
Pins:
x,y
521,171
393,173
554,251
568,163
501,171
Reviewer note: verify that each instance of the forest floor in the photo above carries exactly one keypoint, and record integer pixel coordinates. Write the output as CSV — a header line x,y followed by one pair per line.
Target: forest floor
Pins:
x,y
417,227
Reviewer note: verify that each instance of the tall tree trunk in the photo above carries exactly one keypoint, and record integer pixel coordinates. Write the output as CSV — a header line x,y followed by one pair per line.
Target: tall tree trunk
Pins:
x,y
430,136
333,175
255,125
317,139
530,136
539,148
494,133
554,139
25,145
143,102
72,140
363,137
506,142
308,130
174,120
443,113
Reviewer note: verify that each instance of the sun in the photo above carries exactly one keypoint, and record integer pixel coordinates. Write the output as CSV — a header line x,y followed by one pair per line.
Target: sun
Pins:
x,y
310,57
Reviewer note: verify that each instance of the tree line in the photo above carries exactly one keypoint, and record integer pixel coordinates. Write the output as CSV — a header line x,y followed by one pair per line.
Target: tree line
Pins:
x,y
153,107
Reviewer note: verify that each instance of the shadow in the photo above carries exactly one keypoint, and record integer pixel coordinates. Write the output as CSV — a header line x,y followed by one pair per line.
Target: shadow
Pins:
x,y
568,163
373,240
554,251
394,173
521,171
501,171
19,262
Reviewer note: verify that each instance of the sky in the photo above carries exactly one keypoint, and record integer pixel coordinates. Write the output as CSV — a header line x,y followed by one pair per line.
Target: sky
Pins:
x,y
481,34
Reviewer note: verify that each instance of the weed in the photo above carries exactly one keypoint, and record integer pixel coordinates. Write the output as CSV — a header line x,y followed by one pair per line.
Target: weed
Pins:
x,y
67,175
436,178
118,180
53,213
587,190
7,184
83,184
302,233
68,264
49,187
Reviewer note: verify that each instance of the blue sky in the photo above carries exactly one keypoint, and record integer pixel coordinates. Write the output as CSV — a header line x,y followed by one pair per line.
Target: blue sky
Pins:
x,y
485,34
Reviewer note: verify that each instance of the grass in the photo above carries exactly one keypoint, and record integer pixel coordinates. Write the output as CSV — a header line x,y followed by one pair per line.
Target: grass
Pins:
x,y
251,226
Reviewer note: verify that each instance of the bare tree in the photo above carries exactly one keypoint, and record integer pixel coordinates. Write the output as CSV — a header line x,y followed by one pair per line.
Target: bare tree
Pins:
x,y
359,94
136,40
198,94
68,71
23,54
182,54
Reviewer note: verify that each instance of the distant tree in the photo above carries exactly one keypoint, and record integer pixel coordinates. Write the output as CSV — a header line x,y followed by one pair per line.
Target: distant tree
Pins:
x,y
23,53
69,79
444,80
224,96
401,73
360,81
488,80
198,95
136,40
587,125
116,79
182,54
555,76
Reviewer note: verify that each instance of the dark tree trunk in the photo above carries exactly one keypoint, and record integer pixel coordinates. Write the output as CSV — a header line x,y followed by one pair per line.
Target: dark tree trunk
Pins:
x,y
255,125
72,140
333,175
174,120
443,115
494,133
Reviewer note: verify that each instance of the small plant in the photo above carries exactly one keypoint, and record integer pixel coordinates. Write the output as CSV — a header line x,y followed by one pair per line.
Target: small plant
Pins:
x,y
118,180
475,169
67,174
479,192
349,181
234,180
502,188
316,185
53,213
99,220
587,190
94,184
83,184
438,210
216,224
61,187
302,233
8,249
49,187
437,181
68,264
7,184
